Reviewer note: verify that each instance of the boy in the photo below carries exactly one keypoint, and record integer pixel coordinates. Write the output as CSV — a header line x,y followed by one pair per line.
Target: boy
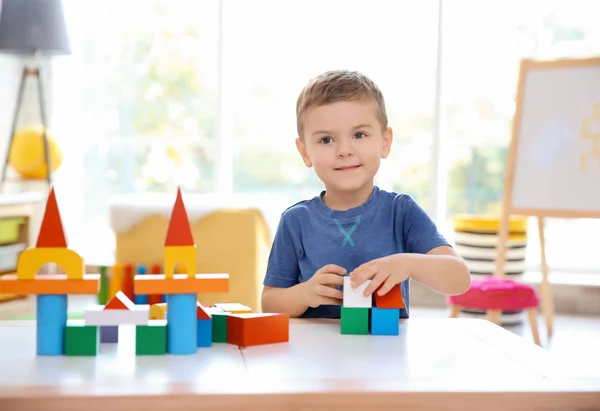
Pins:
x,y
353,227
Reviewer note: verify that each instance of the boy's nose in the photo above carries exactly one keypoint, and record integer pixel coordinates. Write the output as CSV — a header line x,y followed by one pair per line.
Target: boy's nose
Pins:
x,y
344,150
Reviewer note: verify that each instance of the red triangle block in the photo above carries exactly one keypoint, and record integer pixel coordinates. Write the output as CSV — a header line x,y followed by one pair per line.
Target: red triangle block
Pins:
x,y
202,313
179,231
393,299
120,302
51,232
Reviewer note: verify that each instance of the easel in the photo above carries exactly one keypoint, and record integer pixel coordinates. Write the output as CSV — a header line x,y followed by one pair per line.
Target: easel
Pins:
x,y
34,72
508,207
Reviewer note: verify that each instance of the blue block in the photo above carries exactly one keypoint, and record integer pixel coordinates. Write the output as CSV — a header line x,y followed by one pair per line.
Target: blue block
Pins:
x,y
385,321
182,324
109,333
51,324
204,332
141,299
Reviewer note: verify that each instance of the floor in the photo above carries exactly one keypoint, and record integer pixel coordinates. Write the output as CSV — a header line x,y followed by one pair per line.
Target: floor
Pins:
x,y
576,338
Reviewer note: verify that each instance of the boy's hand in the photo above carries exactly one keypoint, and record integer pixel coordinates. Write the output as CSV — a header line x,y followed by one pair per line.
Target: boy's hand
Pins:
x,y
321,289
385,272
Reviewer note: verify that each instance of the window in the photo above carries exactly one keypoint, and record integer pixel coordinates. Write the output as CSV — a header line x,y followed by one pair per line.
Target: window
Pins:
x,y
160,93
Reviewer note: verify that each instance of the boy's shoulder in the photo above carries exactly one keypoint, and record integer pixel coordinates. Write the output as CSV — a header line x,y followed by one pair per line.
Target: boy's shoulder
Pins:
x,y
299,210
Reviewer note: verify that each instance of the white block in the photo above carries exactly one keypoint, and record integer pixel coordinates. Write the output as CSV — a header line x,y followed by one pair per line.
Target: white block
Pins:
x,y
353,297
97,315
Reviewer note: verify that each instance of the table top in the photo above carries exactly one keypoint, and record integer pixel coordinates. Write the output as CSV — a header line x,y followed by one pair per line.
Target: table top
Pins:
x,y
433,364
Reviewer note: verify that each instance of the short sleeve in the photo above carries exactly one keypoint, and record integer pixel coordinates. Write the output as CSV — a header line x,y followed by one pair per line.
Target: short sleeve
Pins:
x,y
418,229
282,268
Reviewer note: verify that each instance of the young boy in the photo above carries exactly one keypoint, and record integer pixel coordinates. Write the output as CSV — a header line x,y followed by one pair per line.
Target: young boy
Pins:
x,y
353,227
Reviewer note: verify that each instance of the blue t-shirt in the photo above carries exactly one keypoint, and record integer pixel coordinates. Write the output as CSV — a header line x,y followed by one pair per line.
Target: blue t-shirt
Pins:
x,y
310,235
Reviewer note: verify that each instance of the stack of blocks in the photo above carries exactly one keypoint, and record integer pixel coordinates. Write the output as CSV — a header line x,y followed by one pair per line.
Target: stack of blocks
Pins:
x,y
375,314
174,323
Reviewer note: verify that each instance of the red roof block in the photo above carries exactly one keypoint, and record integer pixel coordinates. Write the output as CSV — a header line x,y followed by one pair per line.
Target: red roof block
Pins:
x,y
179,231
51,230
120,302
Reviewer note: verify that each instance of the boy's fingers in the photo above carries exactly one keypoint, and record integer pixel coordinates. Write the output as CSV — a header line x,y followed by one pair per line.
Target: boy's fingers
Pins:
x,y
333,268
365,274
330,292
386,287
376,281
329,301
332,279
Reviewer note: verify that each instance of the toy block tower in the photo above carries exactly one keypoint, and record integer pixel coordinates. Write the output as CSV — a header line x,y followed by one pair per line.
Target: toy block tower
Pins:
x,y
385,315
181,289
179,243
51,290
355,309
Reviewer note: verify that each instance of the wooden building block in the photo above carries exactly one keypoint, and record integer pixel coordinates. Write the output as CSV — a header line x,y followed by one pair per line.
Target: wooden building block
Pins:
x,y
247,330
158,311
182,324
354,320
32,259
140,298
219,326
385,321
81,339
181,284
202,312
50,284
104,284
120,302
127,287
51,320
116,280
204,332
97,315
234,308
151,338
109,334
179,231
51,233
180,254
353,297
393,299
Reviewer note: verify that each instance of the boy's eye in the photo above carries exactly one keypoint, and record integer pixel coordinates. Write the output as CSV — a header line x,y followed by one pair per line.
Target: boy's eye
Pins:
x,y
359,134
325,140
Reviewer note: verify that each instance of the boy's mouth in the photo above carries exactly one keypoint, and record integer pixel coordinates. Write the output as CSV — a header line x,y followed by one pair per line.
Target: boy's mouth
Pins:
x,y
348,168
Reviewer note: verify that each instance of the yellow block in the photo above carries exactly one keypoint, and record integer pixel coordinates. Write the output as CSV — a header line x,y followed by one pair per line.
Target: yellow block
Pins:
x,y
32,259
234,308
180,254
116,281
158,311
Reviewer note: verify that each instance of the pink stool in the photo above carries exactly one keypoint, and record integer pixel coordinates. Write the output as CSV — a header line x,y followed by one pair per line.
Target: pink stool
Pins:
x,y
494,295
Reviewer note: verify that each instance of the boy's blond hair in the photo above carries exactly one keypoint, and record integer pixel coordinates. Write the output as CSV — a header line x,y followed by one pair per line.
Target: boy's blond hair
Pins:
x,y
339,85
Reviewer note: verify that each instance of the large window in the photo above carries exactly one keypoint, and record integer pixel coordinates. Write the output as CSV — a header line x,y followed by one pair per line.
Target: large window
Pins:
x,y
201,94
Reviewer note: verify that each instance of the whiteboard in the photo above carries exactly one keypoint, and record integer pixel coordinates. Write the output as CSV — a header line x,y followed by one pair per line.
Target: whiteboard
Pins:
x,y
554,158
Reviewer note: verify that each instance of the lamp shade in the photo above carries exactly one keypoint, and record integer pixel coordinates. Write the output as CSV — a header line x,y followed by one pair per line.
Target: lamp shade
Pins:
x,y
33,26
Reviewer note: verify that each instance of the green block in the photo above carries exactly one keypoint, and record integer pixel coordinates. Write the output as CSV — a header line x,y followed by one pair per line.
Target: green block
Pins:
x,y
219,327
151,339
81,339
103,293
354,320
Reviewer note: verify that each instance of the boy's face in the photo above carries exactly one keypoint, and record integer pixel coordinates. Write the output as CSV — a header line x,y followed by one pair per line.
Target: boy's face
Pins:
x,y
345,143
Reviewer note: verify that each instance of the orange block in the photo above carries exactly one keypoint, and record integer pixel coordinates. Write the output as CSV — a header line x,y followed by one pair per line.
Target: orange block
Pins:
x,y
393,299
181,284
245,330
50,284
202,312
179,231
120,302
51,232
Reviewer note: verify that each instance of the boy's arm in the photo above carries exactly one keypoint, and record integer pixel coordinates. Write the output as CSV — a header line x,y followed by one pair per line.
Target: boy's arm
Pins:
x,y
284,300
441,269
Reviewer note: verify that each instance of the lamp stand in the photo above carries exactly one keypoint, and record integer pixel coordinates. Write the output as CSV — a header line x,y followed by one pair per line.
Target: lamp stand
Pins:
x,y
34,72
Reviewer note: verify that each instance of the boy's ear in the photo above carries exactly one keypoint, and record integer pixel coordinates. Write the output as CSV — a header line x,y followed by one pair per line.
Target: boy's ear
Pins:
x,y
302,150
387,142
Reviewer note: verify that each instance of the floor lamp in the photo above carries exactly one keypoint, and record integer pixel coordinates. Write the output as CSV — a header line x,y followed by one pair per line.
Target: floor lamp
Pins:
x,y
32,28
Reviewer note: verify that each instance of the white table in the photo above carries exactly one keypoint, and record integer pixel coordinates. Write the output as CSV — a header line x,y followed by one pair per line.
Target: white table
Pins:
x,y
450,364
